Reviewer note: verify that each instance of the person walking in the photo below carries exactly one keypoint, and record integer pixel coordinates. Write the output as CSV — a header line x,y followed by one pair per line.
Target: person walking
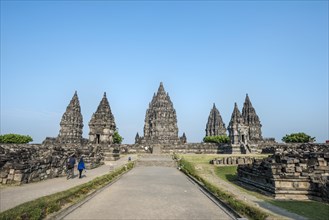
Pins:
x,y
81,166
70,166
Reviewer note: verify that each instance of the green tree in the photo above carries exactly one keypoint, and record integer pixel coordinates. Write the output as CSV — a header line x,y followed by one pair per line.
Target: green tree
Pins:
x,y
300,137
15,139
117,139
217,139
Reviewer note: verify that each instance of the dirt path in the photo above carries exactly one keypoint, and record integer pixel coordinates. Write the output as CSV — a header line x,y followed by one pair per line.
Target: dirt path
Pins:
x,y
274,211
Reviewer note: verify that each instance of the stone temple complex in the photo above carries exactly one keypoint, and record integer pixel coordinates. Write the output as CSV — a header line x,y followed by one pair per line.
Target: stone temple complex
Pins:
x,y
295,171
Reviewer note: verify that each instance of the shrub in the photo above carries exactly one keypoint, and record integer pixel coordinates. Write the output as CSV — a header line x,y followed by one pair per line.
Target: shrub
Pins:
x,y
217,139
15,139
298,138
117,139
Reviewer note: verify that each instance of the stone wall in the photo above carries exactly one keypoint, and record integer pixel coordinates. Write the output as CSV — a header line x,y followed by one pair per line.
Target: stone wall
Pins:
x,y
29,163
293,172
25,163
198,148
232,161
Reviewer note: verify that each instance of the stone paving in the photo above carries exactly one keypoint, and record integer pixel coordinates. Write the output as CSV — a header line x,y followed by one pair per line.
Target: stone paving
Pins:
x,y
150,193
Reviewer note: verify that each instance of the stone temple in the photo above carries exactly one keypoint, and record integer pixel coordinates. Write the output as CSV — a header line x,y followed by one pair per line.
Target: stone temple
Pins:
x,y
251,119
245,128
102,125
71,123
215,125
160,121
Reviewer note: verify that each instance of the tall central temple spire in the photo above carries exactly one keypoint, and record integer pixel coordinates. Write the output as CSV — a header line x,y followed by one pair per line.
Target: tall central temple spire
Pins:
x,y
160,120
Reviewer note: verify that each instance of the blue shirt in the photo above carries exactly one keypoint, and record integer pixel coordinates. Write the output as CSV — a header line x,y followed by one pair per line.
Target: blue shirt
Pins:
x,y
81,165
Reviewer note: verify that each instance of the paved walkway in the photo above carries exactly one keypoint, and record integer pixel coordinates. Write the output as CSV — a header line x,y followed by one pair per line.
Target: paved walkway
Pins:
x,y
150,193
12,196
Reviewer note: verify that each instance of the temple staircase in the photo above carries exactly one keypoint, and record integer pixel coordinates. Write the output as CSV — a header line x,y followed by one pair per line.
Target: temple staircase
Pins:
x,y
156,160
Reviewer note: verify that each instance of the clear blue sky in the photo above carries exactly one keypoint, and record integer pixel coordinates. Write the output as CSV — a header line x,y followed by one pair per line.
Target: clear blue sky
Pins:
x,y
204,52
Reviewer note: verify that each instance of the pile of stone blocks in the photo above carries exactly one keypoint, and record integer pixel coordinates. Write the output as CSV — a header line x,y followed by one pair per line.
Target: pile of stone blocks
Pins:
x,y
229,161
301,172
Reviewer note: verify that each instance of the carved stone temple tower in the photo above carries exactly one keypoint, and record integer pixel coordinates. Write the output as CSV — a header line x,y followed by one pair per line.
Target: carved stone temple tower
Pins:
x,y
215,125
102,125
71,123
238,131
160,120
251,119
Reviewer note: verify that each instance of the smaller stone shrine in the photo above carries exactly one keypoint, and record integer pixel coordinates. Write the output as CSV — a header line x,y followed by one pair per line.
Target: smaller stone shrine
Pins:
x,y
215,125
251,119
238,131
245,129
102,125
71,123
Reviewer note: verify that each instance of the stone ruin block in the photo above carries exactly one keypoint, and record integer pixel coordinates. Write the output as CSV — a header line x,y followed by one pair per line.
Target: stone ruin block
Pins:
x,y
240,161
298,173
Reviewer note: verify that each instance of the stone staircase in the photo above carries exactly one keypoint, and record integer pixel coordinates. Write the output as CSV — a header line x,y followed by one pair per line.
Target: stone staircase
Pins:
x,y
111,154
156,160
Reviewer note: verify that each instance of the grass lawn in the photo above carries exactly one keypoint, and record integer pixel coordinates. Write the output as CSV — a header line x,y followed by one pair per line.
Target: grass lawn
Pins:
x,y
310,209
227,173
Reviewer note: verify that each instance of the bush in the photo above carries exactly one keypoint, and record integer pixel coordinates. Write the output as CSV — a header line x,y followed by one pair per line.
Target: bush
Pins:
x,y
298,138
15,139
217,139
117,139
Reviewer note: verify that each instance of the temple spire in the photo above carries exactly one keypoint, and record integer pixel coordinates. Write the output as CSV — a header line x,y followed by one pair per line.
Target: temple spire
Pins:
x,y
102,123
215,125
238,131
251,119
71,123
236,114
161,89
160,120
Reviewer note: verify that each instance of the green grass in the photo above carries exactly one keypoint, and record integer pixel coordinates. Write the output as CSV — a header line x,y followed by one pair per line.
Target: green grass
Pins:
x,y
227,173
42,207
310,209
199,158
